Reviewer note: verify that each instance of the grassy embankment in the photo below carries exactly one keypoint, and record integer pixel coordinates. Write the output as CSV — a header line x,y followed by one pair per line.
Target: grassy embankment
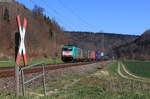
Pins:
x,y
11,62
99,84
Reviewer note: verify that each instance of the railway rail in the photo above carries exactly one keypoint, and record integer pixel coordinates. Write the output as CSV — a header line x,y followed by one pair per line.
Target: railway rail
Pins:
x,y
10,71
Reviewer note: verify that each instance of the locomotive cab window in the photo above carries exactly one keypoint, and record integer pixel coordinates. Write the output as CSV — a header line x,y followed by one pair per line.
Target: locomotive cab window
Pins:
x,y
67,49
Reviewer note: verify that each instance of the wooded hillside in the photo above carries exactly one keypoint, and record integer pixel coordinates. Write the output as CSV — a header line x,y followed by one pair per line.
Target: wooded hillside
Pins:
x,y
104,42
139,49
43,37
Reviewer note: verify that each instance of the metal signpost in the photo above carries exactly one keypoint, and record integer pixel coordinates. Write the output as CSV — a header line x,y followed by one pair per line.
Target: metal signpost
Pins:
x,y
21,49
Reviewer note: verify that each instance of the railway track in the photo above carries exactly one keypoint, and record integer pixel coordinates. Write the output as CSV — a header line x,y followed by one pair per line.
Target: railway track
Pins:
x,y
10,71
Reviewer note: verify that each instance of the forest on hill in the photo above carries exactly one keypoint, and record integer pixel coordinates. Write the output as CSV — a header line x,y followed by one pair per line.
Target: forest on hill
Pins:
x,y
42,37
139,49
103,42
119,46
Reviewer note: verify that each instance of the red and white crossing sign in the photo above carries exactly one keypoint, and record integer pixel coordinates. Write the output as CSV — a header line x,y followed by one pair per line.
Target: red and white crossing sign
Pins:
x,y
22,45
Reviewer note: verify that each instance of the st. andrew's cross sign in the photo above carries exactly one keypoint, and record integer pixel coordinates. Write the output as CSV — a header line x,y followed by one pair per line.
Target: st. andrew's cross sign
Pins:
x,y
22,45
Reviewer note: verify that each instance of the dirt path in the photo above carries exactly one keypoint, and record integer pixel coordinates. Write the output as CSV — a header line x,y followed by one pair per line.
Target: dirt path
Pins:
x,y
131,76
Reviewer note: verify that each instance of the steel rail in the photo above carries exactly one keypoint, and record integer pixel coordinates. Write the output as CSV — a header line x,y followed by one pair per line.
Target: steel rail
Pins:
x,y
10,71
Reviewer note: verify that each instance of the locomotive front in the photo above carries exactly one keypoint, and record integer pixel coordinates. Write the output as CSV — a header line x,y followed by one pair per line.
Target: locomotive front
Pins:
x,y
67,54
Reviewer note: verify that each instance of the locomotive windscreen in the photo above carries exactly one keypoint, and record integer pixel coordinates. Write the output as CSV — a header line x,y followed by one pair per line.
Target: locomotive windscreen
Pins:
x,y
67,49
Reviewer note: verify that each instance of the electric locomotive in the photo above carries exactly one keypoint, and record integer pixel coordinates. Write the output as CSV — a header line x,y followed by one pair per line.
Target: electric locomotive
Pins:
x,y
68,52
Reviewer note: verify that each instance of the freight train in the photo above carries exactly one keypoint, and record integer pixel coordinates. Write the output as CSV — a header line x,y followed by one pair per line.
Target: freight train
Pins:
x,y
72,53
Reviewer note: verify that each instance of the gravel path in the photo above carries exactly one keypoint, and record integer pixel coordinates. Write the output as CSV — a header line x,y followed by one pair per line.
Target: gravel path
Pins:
x,y
131,76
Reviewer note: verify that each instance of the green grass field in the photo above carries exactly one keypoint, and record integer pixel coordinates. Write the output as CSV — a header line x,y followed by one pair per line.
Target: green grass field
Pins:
x,y
138,68
11,62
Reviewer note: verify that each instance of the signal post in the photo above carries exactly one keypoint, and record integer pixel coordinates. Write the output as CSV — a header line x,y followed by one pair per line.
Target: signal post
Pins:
x,y
21,52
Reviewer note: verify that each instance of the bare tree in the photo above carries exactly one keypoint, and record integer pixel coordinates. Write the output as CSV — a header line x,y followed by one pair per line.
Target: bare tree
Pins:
x,y
37,10
6,15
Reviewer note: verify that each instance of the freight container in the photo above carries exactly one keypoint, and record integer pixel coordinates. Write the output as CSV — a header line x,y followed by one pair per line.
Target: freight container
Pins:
x,y
98,55
93,55
79,54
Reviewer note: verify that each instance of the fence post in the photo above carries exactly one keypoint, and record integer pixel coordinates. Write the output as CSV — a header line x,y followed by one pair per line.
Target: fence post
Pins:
x,y
17,79
44,87
22,78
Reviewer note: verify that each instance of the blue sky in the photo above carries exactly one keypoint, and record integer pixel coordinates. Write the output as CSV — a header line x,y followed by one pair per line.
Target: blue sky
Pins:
x,y
113,16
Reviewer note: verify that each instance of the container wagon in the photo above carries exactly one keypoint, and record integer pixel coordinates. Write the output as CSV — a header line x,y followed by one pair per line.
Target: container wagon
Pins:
x,y
98,55
92,55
